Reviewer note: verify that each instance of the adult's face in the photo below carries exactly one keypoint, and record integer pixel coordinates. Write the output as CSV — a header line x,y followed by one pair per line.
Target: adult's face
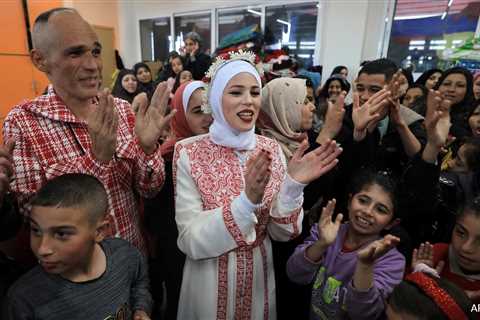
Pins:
x,y
369,84
72,58
454,87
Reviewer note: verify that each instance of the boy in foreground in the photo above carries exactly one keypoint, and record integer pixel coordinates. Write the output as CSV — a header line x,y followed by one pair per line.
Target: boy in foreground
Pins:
x,y
81,275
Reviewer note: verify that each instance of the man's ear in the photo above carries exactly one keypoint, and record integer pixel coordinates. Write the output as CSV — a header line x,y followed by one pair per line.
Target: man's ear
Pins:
x,y
392,224
101,229
39,60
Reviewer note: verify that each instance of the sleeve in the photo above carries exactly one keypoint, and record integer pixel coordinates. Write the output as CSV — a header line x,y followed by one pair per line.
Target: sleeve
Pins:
x,y
16,309
370,304
202,233
286,213
300,269
148,170
29,175
141,298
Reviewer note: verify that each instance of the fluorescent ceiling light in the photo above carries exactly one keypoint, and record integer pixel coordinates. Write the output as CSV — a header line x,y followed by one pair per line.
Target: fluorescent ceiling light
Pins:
x,y
283,22
413,42
449,3
444,15
255,12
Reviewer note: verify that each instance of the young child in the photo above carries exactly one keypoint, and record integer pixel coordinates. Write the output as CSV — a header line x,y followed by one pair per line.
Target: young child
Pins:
x,y
458,261
351,267
81,275
422,297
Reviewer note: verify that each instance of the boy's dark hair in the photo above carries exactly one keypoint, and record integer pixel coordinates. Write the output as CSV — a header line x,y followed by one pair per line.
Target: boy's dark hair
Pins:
x,y
380,66
368,177
470,207
74,190
408,298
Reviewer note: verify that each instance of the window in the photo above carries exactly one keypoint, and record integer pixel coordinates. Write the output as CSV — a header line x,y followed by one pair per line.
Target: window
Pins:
x,y
155,39
200,23
230,21
292,27
435,34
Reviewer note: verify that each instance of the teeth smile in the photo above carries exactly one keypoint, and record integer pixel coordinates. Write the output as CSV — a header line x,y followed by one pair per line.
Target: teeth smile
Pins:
x,y
363,221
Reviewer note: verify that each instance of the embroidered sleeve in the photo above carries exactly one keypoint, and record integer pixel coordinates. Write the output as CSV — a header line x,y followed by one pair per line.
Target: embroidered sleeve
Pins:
x,y
286,212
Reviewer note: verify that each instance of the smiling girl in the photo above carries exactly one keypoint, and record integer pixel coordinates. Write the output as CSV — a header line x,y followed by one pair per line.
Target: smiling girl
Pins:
x,y
352,268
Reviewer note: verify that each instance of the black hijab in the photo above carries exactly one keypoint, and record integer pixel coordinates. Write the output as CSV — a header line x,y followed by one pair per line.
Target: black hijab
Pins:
x,y
119,91
148,87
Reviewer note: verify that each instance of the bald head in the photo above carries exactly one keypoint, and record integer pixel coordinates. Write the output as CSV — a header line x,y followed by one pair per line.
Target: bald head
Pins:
x,y
45,30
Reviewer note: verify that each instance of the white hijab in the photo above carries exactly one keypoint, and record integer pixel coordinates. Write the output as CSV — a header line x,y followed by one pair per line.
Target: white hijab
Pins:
x,y
187,93
221,132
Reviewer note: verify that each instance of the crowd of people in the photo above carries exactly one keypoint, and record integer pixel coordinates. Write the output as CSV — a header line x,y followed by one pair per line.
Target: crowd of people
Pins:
x,y
210,193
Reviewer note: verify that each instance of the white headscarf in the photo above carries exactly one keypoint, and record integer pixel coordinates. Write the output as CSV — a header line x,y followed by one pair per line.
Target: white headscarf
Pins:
x,y
220,131
189,90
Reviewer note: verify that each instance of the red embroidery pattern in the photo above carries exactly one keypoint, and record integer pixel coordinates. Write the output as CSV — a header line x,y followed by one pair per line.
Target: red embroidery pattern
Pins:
x,y
222,300
291,219
217,173
263,251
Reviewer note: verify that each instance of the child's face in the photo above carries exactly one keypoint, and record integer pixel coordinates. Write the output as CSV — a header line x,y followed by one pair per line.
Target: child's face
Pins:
x,y
177,65
466,242
63,239
143,75
370,210
474,122
185,76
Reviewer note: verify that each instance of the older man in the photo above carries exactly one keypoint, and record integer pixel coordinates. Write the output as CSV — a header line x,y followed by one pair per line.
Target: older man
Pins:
x,y
75,127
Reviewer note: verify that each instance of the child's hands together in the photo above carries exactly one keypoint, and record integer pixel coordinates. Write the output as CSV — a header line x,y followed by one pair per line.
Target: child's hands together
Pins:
x,y
140,315
327,228
376,249
424,254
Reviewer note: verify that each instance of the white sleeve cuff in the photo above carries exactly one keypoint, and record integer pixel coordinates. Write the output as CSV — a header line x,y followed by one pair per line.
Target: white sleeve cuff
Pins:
x,y
291,194
243,211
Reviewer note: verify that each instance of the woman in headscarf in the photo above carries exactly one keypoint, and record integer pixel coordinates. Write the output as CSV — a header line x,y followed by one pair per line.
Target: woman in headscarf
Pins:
x,y
144,77
196,61
188,121
126,86
286,113
233,192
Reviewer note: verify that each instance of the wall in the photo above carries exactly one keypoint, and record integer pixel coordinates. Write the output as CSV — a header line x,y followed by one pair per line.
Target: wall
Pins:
x,y
99,13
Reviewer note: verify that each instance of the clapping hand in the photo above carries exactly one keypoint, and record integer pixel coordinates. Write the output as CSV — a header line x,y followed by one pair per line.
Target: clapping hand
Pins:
x,y
151,120
368,114
376,249
333,119
424,254
102,126
305,168
257,175
328,229
437,118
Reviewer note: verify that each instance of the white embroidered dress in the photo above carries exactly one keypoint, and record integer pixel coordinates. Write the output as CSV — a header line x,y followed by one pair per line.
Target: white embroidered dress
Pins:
x,y
228,272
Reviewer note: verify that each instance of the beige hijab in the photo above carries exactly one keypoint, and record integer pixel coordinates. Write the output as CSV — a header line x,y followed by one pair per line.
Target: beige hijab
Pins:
x,y
281,118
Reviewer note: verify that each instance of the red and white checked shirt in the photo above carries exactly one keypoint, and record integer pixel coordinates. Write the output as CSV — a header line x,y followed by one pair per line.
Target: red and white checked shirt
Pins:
x,y
51,141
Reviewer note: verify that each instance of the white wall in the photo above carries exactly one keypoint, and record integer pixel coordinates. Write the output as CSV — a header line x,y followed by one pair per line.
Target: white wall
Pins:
x,y
350,31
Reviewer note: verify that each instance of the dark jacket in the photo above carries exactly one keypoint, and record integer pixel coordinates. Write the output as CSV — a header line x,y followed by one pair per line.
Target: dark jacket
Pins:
x,y
198,65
